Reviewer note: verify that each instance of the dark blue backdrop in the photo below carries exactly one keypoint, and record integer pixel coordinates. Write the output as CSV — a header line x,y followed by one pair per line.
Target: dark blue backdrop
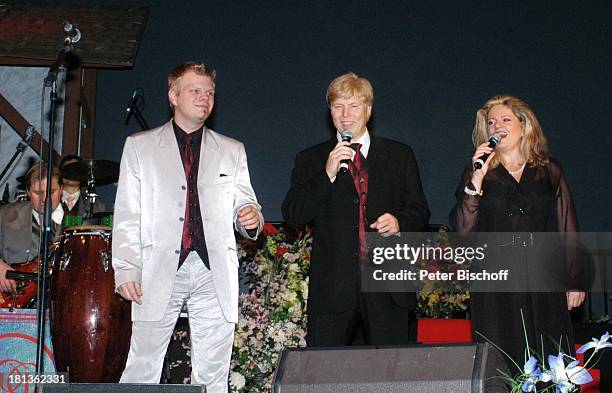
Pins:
x,y
432,64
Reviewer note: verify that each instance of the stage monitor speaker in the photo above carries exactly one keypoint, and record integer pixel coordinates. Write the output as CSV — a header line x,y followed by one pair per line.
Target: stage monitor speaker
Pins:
x,y
120,388
456,368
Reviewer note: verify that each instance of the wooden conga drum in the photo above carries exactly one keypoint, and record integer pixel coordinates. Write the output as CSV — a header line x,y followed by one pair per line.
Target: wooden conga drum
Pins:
x,y
90,323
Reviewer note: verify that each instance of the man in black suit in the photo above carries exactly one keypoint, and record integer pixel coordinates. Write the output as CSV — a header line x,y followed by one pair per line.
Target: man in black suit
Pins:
x,y
381,191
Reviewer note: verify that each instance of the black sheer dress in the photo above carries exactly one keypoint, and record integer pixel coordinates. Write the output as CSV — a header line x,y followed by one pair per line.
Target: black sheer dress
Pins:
x,y
540,202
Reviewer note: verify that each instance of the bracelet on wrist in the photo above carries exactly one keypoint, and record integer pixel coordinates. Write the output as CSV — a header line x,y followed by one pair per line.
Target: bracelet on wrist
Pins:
x,y
472,192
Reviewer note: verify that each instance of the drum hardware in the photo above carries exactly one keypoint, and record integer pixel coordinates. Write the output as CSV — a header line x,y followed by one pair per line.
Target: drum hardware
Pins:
x,y
67,254
105,259
105,255
65,260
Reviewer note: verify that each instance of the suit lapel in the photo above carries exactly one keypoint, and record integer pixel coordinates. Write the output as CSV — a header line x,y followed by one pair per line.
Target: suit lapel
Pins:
x,y
169,149
208,170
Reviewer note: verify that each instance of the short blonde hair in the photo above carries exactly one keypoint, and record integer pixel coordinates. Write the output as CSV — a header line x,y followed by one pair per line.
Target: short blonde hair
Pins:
x,y
199,68
350,85
533,143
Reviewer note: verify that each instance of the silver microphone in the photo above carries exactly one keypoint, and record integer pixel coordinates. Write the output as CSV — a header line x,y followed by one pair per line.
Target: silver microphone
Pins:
x,y
346,136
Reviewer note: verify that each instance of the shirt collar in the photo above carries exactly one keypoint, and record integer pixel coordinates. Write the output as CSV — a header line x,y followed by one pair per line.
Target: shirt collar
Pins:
x,y
75,195
57,216
181,135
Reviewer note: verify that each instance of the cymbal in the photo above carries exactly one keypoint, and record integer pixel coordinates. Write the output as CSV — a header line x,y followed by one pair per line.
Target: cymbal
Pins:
x,y
104,171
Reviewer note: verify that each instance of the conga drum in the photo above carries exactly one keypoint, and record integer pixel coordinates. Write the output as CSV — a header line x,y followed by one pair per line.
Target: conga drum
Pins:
x,y
90,323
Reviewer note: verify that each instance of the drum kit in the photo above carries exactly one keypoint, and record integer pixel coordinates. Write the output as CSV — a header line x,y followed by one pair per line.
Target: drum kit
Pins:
x,y
90,323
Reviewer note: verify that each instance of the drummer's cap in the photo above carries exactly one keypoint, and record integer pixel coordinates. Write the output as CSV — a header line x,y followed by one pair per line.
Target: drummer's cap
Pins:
x,y
198,67
39,171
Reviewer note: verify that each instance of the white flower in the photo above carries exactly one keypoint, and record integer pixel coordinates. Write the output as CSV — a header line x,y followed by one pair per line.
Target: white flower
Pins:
x,y
237,380
565,377
294,266
597,344
289,296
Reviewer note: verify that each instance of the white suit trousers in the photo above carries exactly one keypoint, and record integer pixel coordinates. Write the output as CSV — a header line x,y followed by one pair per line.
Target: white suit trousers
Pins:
x,y
211,335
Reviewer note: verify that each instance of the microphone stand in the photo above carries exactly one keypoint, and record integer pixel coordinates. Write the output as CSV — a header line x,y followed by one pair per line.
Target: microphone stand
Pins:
x,y
140,118
136,102
50,81
19,150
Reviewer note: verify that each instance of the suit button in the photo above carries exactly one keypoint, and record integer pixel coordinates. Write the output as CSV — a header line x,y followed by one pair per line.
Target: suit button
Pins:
x,y
177,251
356,201
181,219
183,188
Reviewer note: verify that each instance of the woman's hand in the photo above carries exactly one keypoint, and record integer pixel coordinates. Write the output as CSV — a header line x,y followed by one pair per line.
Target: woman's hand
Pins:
x,y
574,299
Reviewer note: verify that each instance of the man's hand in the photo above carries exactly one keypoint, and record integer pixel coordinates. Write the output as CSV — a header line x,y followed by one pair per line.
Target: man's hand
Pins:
x,y
386,225
341,152
574,299
131,291
6,285
248,217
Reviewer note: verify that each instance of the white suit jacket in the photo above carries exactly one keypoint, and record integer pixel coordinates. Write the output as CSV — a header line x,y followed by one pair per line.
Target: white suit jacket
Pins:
x,y
150,208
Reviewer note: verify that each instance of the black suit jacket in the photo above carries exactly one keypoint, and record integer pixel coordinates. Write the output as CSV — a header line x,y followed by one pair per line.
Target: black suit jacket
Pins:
x,y
394,186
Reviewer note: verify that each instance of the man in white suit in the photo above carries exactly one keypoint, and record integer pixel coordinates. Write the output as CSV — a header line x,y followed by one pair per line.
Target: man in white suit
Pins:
x,y
183,189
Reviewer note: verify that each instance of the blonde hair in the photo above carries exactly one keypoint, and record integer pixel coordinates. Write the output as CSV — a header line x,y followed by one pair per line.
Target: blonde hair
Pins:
x,y
350,85
39,171
176,75
533,144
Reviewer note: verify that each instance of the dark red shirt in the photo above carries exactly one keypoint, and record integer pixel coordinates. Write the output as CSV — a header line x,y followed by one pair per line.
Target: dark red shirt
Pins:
x,y
194,224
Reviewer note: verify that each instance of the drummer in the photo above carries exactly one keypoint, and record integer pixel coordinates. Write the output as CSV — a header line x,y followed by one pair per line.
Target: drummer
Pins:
x,y
20,222
74,200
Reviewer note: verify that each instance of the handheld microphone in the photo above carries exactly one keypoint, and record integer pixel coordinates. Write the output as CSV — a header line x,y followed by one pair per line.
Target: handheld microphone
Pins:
x,y
346,136
73,35
493,141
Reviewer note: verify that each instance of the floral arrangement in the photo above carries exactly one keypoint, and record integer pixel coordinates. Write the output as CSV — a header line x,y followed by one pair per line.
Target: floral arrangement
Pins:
x,y
441,299
563,375
437,303
272,315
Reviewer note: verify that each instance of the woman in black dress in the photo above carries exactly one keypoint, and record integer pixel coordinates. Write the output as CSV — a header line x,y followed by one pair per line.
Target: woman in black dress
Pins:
x,y
518,189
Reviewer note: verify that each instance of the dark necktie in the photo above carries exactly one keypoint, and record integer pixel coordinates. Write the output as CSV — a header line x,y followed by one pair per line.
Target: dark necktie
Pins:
x,y
187,161
360,178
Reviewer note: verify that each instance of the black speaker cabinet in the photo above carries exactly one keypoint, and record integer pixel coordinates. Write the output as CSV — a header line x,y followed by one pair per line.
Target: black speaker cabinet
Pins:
x,y
456,368
120,388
